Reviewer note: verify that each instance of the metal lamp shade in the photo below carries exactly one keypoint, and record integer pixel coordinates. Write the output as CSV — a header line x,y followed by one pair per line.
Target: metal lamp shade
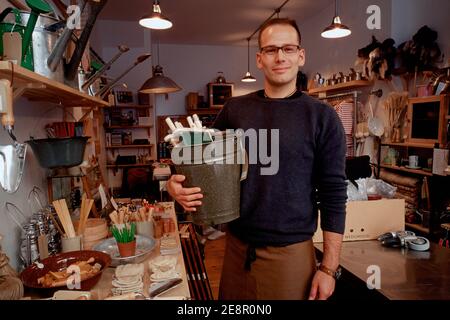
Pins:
x,y
248,77
155,20
159,83
336,29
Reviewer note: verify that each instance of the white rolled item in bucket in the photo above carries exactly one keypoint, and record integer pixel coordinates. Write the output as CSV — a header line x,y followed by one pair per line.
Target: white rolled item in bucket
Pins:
x,y
218,169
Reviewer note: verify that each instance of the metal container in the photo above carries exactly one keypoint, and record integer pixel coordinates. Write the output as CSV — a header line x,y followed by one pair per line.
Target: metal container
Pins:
x,y
59,152
144,247
218,172
43,42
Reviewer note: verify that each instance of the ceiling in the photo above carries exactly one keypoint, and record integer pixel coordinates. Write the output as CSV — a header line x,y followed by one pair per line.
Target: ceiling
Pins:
x,y
212,22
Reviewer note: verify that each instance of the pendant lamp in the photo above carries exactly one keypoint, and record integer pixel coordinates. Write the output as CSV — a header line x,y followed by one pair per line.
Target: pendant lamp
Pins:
x,y
159,83
336,29
155,20
248,76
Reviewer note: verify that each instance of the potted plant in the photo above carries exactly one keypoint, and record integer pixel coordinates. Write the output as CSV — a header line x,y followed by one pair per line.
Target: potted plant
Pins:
x,y
125,238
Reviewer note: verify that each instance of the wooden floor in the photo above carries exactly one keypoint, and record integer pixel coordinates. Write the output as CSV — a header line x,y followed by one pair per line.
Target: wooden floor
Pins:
x,y
214,252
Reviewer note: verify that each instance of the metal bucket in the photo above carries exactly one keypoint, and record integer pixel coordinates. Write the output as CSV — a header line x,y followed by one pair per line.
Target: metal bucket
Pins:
x,y
42,44
218,172
59,152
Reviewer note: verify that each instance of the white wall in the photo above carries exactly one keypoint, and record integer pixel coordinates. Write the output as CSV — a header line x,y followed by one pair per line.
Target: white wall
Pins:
x,y
30,120
329,56
408,16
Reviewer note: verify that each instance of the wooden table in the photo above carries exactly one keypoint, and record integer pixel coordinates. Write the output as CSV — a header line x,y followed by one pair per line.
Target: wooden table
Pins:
x,y
103,288
405,274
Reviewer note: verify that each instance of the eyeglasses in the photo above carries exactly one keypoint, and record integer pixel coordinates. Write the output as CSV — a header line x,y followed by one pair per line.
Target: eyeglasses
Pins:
x,y
288,49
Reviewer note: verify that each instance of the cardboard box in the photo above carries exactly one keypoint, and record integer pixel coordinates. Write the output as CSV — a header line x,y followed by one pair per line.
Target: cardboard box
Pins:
x,y
366,220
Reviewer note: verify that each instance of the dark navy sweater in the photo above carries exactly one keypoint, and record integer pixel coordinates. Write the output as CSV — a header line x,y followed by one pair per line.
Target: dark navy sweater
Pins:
x,y
281,209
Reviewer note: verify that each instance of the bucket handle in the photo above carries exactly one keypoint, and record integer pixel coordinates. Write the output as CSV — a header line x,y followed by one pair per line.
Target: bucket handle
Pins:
x,y
244,166
7,11
34,195
20,213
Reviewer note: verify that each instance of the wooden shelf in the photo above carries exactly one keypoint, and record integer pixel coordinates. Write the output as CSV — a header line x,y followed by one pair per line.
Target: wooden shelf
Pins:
x,y
39,88
128,127
447,117
417,227
416,171
204,111
130,146
409,144
132,106
341,86
114,166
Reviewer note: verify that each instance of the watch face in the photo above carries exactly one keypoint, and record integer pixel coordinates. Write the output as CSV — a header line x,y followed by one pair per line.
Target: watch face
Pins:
x,y
338,273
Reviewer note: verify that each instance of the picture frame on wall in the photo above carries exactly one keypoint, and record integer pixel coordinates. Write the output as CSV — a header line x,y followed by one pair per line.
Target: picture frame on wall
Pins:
x,y
219,93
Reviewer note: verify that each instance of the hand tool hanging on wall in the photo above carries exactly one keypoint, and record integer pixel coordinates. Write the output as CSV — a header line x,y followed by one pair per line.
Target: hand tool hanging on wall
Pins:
x,y
71,68
102,93
61,45
95,9
98,74
12,157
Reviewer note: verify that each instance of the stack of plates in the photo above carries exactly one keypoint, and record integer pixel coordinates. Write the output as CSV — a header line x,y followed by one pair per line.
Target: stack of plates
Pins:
x,y
127,279
164,268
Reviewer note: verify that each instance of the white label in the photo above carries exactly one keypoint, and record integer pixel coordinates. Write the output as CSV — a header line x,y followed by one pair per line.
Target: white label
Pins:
x,y
12,46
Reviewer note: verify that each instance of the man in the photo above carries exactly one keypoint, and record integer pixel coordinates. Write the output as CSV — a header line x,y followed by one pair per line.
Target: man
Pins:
x,y
269,252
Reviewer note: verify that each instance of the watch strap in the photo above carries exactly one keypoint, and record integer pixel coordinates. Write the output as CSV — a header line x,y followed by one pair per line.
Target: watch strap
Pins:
x,y
328,271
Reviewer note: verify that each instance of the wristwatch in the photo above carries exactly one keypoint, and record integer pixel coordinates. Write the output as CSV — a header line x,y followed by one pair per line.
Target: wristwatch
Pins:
x,y
336,274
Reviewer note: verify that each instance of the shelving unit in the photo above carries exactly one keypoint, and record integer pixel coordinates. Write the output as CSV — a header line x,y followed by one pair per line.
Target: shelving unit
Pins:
x,y
128,127
204,111
113,166
206,116
39,88
131,146
350,85
409,144
416,171
421,141
112,125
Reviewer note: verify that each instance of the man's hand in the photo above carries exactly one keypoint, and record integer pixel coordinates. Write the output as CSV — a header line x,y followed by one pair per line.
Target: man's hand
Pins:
x,y
322,286
187,197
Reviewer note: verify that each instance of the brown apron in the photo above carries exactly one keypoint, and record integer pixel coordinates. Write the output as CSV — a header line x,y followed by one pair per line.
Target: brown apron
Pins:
x,y
273,273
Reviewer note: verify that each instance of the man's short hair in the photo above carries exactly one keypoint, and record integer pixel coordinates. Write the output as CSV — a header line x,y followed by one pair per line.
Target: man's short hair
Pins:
x,y
285,21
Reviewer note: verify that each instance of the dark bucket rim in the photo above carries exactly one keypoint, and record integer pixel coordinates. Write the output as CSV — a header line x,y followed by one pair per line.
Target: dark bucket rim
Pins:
x,y
56,139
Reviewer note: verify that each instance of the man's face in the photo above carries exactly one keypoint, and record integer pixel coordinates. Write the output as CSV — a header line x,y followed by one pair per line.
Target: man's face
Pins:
x,y
280,68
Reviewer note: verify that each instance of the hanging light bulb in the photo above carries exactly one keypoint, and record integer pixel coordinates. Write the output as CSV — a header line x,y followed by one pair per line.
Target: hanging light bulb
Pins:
x,y
248,76
155,20
336,29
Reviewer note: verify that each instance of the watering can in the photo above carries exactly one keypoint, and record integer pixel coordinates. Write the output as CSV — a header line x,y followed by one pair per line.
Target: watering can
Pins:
x,y
37,7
